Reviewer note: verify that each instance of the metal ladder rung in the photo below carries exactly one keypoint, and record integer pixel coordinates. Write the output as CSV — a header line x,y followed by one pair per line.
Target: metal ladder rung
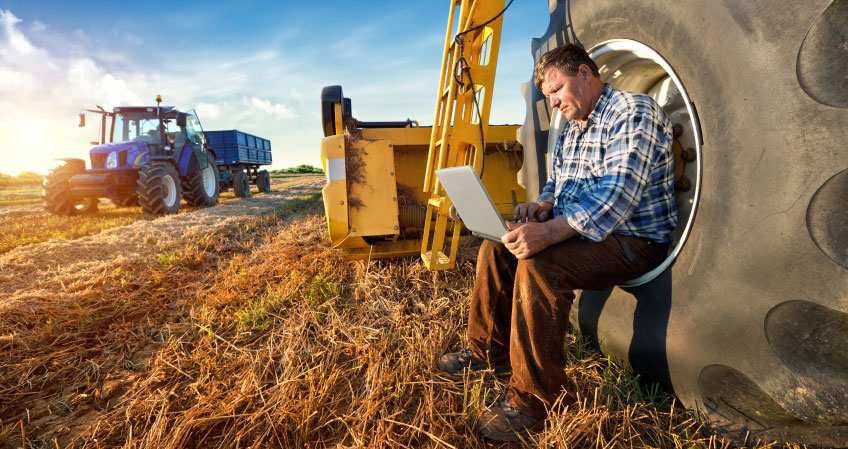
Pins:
x,y
443,258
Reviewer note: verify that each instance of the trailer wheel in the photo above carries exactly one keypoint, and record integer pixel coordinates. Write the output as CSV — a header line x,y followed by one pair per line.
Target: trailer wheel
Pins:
x,y
56,191
723,325
264,181
201,187
241,184
159,188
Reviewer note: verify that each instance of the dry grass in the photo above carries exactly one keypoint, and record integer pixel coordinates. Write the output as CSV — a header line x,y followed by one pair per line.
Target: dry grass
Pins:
x,y
23,220
19,196
257,334
22,180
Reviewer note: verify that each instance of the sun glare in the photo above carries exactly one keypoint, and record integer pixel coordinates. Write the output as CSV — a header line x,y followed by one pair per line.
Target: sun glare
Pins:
x,y
33,145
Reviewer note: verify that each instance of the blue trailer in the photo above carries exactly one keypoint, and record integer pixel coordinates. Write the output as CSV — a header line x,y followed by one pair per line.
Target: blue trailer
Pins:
x,y
239,156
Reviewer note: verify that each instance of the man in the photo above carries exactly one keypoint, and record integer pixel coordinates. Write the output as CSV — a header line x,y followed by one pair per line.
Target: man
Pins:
x,y
604,217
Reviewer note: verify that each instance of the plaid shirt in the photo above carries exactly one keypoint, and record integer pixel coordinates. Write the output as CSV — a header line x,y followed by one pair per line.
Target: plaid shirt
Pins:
x,y
616,174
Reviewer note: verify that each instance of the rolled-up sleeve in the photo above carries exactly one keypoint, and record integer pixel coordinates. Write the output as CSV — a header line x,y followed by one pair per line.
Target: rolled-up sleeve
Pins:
x,y
547,194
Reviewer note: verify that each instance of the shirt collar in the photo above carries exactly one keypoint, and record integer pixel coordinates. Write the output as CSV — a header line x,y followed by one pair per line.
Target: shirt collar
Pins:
x,y
595,115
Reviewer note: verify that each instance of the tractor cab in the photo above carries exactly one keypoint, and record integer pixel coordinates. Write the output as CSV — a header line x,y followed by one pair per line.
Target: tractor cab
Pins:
x,y
140,133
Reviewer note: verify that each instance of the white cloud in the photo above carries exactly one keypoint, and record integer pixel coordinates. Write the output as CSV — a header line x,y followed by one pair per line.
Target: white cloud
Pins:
x,y
12,80
244,110
277,110
14,39
86,80
38,27
296,94
9,111
42,88
210,111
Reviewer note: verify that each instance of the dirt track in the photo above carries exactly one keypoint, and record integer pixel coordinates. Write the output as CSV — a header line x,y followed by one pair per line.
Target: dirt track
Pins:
x,y
54,267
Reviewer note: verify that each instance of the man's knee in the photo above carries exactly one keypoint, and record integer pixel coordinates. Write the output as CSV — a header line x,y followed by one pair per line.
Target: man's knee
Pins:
x,y
490,251
533,266
490,247
539,274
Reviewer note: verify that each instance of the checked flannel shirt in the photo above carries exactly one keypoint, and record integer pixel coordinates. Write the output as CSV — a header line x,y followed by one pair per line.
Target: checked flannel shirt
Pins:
x,y
617,174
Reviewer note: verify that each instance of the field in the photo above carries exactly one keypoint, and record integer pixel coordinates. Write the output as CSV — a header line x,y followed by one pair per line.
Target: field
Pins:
x,y
239,326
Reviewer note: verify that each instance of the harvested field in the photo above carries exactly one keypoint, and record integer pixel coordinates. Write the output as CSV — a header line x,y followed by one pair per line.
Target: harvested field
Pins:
x,y
24,221
238,326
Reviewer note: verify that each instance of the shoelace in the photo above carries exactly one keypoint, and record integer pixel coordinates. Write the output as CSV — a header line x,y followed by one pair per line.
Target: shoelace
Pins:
x,y
466,354
508,409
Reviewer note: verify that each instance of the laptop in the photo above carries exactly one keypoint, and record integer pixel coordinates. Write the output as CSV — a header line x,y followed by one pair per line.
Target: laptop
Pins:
x,y
472,202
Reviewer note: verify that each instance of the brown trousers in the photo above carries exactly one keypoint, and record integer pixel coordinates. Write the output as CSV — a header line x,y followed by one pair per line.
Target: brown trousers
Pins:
x,y
519,308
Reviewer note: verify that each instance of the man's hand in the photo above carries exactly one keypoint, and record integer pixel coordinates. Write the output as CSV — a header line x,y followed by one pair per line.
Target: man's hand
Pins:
x,y
527,212
526,239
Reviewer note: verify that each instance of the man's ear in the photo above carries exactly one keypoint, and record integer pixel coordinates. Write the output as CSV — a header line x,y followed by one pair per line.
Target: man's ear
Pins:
x,y
585,73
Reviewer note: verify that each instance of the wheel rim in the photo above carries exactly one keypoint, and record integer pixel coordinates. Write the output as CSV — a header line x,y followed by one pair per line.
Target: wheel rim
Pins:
x,y
83,205
629,65
209,180
169,193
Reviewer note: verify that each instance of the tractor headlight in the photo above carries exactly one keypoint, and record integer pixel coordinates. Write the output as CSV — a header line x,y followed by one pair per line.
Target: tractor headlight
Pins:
x,y
112,160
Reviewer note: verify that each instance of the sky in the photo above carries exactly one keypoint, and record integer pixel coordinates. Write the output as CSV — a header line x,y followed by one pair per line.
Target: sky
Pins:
x,y
258,67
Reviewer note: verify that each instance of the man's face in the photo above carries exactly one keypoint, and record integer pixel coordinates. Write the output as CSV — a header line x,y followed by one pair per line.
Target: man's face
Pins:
x,y
569,94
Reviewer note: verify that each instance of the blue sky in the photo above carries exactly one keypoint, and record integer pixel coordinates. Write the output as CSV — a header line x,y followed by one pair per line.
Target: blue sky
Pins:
x,y
254,66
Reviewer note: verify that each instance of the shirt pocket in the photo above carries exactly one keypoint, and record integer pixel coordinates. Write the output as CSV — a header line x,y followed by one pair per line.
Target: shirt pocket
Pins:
x,y
593,159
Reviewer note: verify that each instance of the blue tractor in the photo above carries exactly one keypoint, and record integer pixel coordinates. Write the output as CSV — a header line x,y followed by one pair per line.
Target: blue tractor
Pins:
x,y
152,156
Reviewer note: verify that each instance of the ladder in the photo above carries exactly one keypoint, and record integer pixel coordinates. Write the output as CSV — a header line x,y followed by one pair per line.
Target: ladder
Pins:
x,y
461,121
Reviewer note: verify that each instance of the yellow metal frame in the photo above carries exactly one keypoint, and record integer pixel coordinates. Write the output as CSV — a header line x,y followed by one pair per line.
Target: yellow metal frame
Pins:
x,y
335,191
380,179
434,258
456,135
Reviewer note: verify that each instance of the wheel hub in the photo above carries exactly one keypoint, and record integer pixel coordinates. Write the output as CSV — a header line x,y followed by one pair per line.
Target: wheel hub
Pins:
x,y
169,192
209,180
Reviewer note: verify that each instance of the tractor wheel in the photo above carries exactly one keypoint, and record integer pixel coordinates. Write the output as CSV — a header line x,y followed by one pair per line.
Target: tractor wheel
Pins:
x,y
126,201
159,188
747,321
201,187
264,181
241,184
56,191
87,205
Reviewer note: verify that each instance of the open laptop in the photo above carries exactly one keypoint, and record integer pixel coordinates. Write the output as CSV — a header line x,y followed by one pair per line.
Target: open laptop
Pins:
x,y
472,202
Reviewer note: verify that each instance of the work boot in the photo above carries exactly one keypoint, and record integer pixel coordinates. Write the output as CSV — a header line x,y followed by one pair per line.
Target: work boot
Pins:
x,y
455,363
502,422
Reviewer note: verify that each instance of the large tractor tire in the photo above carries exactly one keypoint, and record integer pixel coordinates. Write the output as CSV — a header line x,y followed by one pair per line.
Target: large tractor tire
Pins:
x,y
158,188
201,187
263,181
747,320
241,184
56,191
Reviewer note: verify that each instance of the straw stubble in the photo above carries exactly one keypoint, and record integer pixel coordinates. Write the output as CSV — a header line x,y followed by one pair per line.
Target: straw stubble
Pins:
x,y
250,331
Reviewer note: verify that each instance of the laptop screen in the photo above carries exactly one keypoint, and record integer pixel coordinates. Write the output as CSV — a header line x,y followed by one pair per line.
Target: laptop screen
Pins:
x,y
473,203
